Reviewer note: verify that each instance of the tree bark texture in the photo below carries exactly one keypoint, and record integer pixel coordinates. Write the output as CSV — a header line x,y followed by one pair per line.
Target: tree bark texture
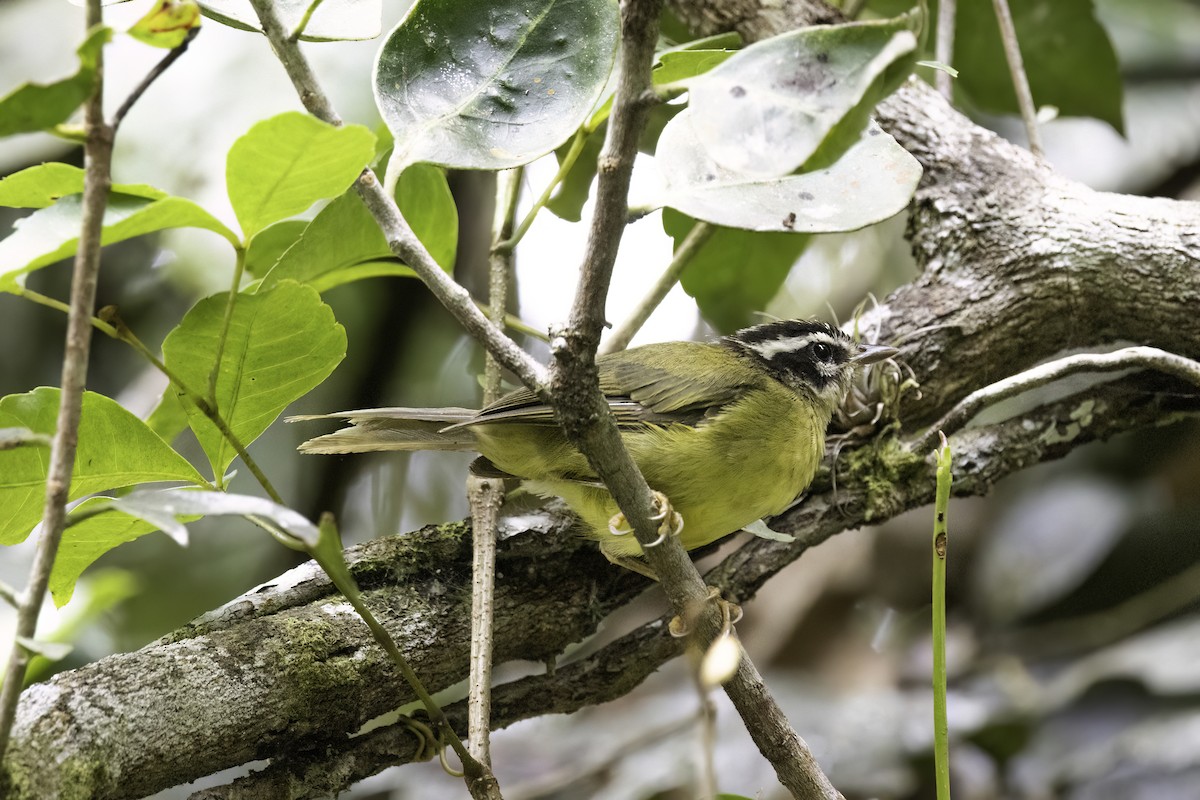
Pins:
x,y
1018,264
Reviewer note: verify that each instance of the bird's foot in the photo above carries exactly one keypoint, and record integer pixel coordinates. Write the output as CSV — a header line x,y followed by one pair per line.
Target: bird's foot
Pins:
x,y
666,518
731,614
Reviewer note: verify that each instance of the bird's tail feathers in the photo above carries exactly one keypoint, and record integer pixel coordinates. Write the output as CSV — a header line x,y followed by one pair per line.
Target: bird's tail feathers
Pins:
x,y
379,429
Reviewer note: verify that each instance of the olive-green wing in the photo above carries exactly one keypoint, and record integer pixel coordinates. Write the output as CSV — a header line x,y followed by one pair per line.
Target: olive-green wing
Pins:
x,y
677,382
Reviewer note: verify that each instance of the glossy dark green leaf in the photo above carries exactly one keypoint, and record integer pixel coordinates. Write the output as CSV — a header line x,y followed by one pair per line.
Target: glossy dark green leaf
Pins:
x,y
800,99
116,449
492,85
334,20
872,181
736,272
282,342
35,107
284,164
343,242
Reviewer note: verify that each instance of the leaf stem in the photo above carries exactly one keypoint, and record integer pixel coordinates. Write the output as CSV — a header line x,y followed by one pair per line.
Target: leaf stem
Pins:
x,y
97,180
303,24
623,334
941,743
1016,68
514,237
115,328
239,267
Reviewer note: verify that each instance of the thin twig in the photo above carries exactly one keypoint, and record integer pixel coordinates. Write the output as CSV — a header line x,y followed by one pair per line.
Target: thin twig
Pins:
x,y
404,243
944,50
578,402
584,415
486,494
794,763
97,180
399,234
1129,358
155,72
623,334
1012,53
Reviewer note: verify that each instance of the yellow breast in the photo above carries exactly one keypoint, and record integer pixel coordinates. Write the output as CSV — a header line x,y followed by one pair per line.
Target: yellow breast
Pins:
x,y
750,461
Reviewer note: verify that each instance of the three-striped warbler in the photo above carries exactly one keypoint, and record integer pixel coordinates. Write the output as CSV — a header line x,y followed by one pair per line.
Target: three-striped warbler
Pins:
x,y
729,431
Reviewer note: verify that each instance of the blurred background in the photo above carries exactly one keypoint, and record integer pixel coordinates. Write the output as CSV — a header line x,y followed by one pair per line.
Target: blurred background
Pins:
x,y
1073,632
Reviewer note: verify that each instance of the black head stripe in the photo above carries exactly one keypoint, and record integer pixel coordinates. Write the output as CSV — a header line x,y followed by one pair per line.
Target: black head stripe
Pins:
x,y
801,354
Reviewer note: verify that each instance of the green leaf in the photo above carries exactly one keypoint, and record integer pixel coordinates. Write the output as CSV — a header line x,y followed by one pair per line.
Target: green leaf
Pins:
x,y
116,449
35,107
46,184
572,194
682,65
333,21
874,180
343,243
735,273
801,98
492,85
1066,51
284,164
269,244
51,234
83,542
167,24
282,342
168,419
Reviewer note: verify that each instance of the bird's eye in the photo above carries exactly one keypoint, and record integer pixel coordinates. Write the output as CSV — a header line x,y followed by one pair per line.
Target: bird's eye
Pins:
x,y
822,351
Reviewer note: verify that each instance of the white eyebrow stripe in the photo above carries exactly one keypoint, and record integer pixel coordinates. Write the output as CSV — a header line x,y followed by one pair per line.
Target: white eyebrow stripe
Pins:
x,y
770,348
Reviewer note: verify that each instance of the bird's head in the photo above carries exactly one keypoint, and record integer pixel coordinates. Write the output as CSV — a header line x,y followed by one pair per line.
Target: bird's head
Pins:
x,y
814,359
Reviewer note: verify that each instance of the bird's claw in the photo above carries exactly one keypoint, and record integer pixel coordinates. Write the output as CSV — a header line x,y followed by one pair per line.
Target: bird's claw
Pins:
x,y
666,518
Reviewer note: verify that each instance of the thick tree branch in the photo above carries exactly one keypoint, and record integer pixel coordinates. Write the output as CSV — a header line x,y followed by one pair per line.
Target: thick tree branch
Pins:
x,y
287,672
1019,264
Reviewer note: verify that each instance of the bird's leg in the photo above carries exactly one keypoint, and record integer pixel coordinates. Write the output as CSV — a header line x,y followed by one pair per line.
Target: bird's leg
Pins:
x,y
669,522
731,614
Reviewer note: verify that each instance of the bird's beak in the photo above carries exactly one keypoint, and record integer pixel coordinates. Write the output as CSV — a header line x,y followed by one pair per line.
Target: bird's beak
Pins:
x,y
871,353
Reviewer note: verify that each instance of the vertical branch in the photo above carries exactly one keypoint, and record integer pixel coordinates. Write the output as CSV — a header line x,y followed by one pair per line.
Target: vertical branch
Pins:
x,y
579,405
941,743
944,49
1012,53
584,416
486,494
98,178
